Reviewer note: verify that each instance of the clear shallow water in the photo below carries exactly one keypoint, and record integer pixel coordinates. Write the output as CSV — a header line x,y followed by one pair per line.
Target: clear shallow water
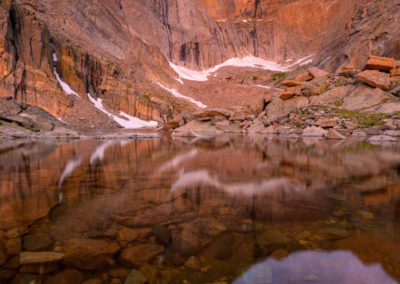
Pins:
x,y
226,210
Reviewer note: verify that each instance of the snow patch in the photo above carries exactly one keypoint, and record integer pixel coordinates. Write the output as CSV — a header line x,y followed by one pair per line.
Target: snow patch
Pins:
x,y
66,88
126,121
175,93
262,86
248,61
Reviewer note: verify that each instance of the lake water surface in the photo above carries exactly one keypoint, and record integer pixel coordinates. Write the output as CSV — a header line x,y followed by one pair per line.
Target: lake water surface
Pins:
x,y
228,209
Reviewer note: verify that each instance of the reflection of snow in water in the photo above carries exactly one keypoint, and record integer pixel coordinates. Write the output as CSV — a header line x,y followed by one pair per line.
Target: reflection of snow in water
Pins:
x,y
315,267
249,189
69,169
177,160
98,154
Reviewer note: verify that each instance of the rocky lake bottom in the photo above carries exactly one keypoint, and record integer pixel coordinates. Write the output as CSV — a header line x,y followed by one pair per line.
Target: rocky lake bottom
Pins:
x,y
224,209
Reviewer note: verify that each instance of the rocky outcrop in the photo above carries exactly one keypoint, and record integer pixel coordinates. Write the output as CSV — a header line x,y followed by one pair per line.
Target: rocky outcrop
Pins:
x,y
323,105
20,120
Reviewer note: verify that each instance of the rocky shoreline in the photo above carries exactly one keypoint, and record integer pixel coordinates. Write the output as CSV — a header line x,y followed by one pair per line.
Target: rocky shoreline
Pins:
x,y
352,103
22,121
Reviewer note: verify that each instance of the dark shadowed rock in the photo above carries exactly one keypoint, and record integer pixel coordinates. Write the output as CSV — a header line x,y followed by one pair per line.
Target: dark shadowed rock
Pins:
x,y
66,277
138,255
135,277
37,242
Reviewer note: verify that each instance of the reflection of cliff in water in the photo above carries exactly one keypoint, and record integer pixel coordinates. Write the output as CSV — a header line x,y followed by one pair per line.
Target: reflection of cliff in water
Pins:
x,y
231,201
266,180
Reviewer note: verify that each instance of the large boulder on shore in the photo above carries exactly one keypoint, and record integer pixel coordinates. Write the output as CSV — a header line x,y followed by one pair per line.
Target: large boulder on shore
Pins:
x,y
213,112
279,108
375,79
364,98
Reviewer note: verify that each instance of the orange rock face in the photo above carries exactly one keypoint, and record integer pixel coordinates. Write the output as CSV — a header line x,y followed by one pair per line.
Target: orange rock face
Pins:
x,y
119,50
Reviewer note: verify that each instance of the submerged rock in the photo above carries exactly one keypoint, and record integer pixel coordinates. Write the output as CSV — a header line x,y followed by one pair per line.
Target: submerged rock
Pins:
x,y
89,254
40,257
135,277
140,254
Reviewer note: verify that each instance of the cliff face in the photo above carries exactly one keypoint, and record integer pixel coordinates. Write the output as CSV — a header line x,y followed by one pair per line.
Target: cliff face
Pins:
x,y
117,50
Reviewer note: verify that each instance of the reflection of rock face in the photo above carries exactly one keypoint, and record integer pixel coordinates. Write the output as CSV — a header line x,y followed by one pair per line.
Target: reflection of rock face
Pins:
x,y
233,200
312,266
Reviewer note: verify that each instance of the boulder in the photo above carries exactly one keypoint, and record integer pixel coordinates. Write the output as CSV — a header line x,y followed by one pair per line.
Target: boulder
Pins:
x,y
375,79
384,64
348,71
314,131
256,127
389,108
395,72
290,93
138,255
359,134
41,268
364,97
291,83
396,91
13,246
331,96
126,235
193,263
317,73
306,76
89,254
237,115
332,233
279,108
326,122
212,112
135,277
334,134
37,242
270,130
170,125
65,277
40,257
196,126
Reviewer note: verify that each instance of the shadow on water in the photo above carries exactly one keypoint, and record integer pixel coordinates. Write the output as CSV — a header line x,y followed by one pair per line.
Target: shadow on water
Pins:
x,y
228,209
